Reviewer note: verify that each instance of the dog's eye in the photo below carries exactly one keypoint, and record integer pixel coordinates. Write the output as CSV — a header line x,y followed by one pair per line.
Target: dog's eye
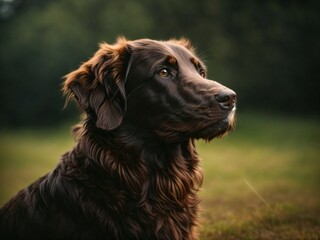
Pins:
x,y
163,72
202,73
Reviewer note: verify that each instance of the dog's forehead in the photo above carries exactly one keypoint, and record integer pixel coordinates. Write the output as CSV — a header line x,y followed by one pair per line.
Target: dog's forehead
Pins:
x,y
180,51
164,47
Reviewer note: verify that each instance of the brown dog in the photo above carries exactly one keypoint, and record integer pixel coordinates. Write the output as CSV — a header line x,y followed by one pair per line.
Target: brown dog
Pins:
x,y
134,172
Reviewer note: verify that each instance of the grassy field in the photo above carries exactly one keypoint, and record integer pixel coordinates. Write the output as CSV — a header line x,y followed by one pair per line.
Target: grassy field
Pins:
x,y
262,181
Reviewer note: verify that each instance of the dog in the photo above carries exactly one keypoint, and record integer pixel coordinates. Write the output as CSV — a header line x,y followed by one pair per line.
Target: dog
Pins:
x,y
134,172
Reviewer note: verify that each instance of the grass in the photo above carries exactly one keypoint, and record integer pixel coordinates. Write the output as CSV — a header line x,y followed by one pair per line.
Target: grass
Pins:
x,y
261,181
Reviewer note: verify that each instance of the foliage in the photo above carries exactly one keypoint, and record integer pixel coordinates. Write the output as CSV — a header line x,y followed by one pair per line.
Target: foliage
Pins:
x,y
265,50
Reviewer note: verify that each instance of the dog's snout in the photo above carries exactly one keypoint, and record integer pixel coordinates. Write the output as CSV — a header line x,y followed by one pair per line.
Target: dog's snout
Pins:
x,y
226,98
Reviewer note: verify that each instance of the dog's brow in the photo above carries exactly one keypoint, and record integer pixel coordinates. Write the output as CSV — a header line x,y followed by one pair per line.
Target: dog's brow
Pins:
x,y
172,60
196,63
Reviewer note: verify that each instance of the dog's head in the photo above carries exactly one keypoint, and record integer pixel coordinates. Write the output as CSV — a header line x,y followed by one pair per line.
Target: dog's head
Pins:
x,y
155,86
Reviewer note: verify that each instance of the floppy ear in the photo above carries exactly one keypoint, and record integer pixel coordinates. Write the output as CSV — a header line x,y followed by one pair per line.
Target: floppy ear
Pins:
x,y
99,85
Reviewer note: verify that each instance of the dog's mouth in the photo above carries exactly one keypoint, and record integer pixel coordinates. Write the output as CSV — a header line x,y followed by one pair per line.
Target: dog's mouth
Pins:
x,y
204,129
218,128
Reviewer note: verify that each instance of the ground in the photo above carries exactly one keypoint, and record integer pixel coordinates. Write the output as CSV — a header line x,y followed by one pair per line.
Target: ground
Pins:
x,y
260,182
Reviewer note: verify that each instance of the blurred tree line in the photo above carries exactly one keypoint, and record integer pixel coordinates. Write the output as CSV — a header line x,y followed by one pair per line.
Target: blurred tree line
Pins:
x,y
267,51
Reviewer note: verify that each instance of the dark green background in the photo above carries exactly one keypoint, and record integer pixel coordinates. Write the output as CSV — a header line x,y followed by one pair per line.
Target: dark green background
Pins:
x,y
267,51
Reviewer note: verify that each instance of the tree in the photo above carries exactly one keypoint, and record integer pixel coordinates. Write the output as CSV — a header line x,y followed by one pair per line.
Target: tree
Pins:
x,y
266,51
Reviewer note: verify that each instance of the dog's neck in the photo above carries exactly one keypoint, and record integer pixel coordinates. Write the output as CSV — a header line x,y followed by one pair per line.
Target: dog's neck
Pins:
x,y
129,138
159,171
128,141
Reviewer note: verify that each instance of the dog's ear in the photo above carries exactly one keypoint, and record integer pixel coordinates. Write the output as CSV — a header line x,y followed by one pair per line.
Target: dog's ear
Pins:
x,y
99,85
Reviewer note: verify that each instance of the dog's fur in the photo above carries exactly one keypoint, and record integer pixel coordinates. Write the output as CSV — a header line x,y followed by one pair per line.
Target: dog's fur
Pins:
x,y
134,172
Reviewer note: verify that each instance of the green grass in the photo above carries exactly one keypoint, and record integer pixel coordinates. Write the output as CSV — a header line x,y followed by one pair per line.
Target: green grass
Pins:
x,y
26,155
260,182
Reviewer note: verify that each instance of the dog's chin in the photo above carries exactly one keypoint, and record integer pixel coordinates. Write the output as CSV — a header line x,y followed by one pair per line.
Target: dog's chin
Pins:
x,y
218,128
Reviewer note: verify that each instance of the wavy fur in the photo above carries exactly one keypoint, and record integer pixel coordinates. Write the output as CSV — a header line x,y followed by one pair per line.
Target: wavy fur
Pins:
x,y
134,172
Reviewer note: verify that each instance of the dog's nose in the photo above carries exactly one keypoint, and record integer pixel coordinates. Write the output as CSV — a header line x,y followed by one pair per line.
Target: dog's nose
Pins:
x,y
226,98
